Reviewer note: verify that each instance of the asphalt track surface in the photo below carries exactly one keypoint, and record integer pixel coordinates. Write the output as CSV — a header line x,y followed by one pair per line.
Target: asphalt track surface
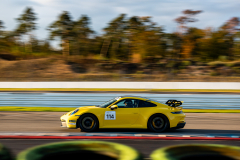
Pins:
x,y
48,123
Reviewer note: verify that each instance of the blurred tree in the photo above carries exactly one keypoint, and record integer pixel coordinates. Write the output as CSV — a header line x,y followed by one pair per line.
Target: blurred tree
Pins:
x,y
174,45
46,47
133,39
190,43
188,17
2,42
63,28
41,46
215,44
115,33
7,41
124,38
96,45
187,46
149,40
1,28
232,28
134,28
236,47
82,33
26,25
232,25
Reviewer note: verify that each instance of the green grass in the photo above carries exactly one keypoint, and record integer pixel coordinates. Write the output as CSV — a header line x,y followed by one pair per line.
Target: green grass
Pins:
x,y
210,111
69,89
120,90
36,109
61,109
196,90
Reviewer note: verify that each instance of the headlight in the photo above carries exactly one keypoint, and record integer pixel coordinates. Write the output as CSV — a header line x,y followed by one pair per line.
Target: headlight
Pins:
x,y
75,111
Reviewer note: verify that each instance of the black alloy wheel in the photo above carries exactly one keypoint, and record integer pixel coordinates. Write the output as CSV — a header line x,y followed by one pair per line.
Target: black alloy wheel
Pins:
x,y
158,123
88,123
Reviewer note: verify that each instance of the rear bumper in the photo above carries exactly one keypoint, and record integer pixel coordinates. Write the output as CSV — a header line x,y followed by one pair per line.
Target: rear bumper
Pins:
x,y
180,125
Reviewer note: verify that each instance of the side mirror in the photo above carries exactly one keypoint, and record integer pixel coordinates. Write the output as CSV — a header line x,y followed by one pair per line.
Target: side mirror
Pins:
x,y
114,107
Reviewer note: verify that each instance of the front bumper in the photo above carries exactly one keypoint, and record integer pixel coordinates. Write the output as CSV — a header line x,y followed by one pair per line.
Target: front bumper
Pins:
x,y
180,125
68,122
64,124
68,125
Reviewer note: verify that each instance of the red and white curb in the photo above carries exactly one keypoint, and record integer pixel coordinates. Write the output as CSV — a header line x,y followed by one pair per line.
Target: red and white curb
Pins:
x,y
114,136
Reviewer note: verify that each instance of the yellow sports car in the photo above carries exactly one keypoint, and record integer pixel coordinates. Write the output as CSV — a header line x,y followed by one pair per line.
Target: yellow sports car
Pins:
x,y
127,112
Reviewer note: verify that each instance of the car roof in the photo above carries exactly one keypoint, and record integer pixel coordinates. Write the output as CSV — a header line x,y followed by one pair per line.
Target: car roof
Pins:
x,y
130,96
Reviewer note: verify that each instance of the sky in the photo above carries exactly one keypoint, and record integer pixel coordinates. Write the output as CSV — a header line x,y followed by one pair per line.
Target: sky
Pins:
x,y
163,12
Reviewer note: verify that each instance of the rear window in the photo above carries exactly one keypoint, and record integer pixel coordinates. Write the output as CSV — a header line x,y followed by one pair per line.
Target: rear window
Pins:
x,y
142,104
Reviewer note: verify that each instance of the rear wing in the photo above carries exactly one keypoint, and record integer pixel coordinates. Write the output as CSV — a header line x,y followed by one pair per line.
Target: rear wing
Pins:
x,y
174,103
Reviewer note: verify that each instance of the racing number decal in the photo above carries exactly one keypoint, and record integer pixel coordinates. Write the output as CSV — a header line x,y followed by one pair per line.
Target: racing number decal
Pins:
x,y
110,115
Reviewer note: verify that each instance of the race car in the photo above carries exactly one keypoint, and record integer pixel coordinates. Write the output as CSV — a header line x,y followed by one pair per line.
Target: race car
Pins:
x,y
127,112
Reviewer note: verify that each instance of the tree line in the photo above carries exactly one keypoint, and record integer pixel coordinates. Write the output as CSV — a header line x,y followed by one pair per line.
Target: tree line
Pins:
x,y
126,38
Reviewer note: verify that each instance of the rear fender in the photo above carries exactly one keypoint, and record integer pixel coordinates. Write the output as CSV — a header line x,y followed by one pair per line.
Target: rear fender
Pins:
x,y
166,118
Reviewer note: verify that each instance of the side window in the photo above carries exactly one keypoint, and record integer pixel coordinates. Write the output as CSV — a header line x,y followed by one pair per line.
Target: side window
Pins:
x,y
121,104
127,103
145,104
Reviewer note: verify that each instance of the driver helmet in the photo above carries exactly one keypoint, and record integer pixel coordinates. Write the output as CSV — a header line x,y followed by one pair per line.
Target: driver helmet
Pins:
x,y
128,102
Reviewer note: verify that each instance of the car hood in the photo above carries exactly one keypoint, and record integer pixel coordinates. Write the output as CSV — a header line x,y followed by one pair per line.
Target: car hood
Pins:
x,y
87,107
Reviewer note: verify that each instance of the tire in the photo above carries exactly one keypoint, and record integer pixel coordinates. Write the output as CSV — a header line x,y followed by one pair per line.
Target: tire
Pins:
x,y
196,151
5,153
88,123
158,123
86,150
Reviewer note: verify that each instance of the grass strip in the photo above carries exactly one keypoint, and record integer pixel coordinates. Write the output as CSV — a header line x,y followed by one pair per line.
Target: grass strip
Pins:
x,y
61,109
210,111
195,90
73,89
36,109
119,90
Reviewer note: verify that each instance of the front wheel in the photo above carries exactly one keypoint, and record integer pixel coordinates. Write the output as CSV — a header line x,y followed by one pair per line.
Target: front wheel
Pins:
x,y
158,123
88,123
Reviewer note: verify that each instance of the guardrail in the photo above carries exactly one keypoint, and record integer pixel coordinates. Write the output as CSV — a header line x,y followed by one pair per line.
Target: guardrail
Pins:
x,y
125,85
191,101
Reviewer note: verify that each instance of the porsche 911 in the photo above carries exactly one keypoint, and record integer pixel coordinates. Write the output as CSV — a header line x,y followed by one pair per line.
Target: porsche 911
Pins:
x,y
127,112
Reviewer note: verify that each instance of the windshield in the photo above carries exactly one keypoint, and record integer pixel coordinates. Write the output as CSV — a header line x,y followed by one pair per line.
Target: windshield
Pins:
x,y
104,105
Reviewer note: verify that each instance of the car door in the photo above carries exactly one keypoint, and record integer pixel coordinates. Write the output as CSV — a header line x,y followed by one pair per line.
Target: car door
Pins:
x,y
125,116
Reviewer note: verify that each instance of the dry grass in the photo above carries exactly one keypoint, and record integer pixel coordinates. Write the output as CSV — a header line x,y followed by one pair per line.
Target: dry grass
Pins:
x,y
79,69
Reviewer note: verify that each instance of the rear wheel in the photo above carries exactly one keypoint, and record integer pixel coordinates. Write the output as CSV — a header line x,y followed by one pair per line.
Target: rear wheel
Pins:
x,y
158,123
88,123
